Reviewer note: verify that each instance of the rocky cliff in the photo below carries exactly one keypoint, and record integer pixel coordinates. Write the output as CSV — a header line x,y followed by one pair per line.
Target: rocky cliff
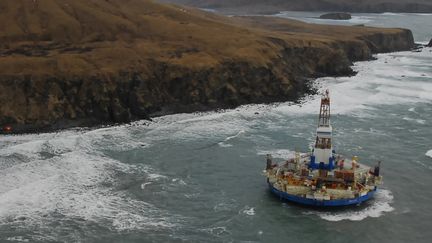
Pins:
x,y
96,62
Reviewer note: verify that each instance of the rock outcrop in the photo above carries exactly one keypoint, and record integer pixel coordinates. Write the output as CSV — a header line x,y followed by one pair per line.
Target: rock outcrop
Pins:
x,y
336,16
429,44
98,62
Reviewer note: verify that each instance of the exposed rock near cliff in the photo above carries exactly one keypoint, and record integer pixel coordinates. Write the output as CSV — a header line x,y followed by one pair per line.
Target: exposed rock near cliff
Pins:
x,y
95,62
336,16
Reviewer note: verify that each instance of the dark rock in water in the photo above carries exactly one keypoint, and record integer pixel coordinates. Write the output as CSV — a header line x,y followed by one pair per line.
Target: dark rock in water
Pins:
x,y
430,43
336,16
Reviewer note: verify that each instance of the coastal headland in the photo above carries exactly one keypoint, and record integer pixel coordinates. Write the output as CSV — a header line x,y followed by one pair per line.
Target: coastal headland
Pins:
x,y
85,63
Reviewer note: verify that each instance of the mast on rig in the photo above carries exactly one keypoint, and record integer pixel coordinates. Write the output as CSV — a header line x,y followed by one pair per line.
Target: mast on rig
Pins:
x,y
322,155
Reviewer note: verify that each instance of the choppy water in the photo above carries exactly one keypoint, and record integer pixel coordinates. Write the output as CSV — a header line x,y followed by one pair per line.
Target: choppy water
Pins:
x,y
197,177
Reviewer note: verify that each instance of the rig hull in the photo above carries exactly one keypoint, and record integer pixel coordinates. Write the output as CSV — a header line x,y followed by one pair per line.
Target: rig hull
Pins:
x,y
321,203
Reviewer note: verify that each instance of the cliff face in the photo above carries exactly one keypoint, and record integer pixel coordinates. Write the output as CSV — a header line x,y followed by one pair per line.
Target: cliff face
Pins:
x,y
193,61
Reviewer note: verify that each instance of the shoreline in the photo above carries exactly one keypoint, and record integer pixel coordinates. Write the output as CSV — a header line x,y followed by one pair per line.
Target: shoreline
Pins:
x,y
91,124
242,12
88,125
231,61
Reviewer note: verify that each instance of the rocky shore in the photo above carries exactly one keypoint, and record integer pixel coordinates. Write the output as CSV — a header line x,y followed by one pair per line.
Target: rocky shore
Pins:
x,y
193,61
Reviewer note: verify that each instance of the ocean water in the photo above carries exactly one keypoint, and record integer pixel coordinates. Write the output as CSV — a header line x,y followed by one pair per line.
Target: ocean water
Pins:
x,y
419,23
198,177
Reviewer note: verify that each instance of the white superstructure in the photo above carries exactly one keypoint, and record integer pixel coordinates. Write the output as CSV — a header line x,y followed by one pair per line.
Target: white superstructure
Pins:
x,y
323,149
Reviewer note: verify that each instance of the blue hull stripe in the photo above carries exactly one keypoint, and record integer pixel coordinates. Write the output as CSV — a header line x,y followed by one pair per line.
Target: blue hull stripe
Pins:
x,y
321,203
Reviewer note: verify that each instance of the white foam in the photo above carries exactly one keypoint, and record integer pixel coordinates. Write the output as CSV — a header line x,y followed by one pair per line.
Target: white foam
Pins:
x,y
179,181
423,14
392,14
278,153
380,206
155,176
120,138
218,125
419,121
209,10
69,186
249,211
18,239
218,231
235,136
225,145
143,185
360,19
28,148
378,83
72,182
429,153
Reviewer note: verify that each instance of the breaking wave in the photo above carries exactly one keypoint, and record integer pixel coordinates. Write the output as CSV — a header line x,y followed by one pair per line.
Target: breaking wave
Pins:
x,y
392,14
376,84
278,153
224,144
52,178
58,178
429,153
250,211
381,204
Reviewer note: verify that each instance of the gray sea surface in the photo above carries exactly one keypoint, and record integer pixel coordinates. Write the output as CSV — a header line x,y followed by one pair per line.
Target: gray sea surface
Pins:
x,y
419,23
198,177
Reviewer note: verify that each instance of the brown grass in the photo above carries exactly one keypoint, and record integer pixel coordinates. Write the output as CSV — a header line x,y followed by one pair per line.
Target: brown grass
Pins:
x,y
97,37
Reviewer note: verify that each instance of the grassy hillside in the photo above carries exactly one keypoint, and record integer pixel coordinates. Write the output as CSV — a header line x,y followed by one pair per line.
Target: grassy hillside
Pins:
x,y
107,36
62,62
